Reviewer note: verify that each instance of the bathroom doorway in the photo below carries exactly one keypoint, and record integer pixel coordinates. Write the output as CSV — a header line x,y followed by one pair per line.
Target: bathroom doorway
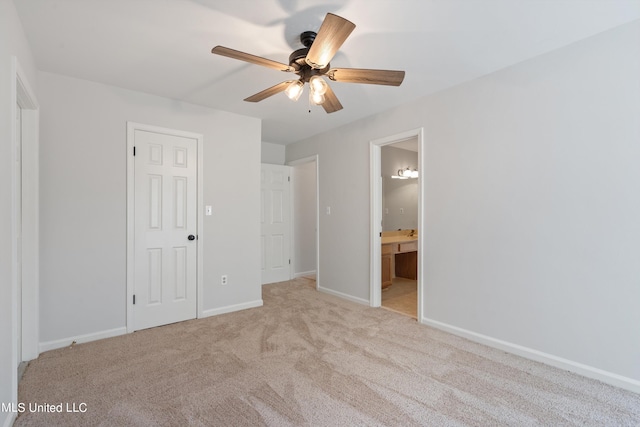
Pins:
x,y
399,167
396,223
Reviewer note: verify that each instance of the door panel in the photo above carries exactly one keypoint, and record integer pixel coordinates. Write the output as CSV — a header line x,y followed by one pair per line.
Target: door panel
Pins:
x,y
165,215
275,213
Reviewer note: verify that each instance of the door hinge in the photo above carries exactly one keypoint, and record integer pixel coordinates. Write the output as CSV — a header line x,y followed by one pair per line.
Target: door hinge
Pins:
x,y
289,178
381,234
134,150
289,262
134,300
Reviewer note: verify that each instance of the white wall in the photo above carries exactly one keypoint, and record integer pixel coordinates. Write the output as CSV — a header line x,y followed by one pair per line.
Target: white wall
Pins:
x,y
399,196
304,218
272,154
83,202
12,43
532,195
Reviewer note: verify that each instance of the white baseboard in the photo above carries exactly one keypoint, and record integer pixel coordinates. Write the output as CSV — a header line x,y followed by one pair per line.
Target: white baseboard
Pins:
x,y
231,308
343,296
539,356
52,345
304,274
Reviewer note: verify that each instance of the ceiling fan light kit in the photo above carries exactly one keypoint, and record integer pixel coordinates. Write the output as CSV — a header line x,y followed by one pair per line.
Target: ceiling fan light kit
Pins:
x,y
312,62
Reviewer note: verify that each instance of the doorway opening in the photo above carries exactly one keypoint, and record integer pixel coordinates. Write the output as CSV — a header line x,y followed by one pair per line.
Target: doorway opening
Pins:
x,y
397,223
304,208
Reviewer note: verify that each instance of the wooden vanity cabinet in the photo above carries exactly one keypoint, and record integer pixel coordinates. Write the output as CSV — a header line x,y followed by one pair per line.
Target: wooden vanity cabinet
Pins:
x,y
407,265
387,265
399,259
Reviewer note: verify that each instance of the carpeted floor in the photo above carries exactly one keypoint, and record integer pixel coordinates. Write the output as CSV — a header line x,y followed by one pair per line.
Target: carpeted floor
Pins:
x,y
307,358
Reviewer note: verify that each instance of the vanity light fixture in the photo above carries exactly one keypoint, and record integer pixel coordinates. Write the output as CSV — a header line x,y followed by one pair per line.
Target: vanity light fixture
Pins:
x,y
406,174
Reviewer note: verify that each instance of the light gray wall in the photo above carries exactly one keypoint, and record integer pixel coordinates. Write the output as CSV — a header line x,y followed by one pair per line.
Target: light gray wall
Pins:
x,y
12,43
344,188
272,154
304,217
399,196
83,201
532,193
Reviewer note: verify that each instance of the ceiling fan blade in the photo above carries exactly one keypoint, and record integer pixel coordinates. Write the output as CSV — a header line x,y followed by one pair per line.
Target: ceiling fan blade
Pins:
x,y
247,57
332,33
280,87
331,103
374,77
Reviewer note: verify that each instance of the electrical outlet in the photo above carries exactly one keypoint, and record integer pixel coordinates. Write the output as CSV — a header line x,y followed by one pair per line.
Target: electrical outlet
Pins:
x,y
224,279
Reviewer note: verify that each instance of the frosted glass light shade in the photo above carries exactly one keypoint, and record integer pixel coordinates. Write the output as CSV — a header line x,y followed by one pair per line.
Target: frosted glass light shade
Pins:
x,y
316,98
294,90
318,85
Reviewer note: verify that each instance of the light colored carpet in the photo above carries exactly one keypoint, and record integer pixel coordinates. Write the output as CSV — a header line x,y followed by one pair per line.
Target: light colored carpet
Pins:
x,y
307,358
401,296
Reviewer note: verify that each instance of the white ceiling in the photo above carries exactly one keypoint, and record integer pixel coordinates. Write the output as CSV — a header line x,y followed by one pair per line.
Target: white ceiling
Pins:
x,y
163,47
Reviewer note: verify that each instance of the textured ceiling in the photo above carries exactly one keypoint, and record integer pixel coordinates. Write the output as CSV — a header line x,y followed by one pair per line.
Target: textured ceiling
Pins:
x,y
163,47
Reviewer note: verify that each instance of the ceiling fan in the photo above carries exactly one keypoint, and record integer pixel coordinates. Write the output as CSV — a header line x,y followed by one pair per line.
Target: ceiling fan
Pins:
x,y
311,63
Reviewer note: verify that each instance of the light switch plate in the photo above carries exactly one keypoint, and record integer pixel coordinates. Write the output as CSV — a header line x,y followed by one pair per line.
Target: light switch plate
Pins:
x,y
208,210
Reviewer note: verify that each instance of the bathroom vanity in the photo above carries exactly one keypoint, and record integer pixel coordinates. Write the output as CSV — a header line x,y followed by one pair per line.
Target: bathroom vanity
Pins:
x,y
399,255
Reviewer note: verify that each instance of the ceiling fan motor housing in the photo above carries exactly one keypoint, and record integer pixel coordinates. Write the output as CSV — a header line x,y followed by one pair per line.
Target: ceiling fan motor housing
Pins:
x,y
307,38
297,58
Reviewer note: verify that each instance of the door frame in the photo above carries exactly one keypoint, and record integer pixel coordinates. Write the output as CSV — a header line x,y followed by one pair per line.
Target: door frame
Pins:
x,y
23,95
315,158
131,128
24,292
375,150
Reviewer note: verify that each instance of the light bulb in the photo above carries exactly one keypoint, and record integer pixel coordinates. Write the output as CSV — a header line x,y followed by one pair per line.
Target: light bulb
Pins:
x,y
316,98
318,85
294,90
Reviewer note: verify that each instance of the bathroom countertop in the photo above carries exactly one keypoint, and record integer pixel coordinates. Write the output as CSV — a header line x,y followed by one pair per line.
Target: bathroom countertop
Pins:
x,y
398,239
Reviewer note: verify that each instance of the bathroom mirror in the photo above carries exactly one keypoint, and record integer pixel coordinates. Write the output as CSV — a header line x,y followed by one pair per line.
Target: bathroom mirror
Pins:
x,y
399,196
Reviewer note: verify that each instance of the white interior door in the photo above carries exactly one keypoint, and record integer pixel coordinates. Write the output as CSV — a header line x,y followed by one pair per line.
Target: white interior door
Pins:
x,y
275,216
165,249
